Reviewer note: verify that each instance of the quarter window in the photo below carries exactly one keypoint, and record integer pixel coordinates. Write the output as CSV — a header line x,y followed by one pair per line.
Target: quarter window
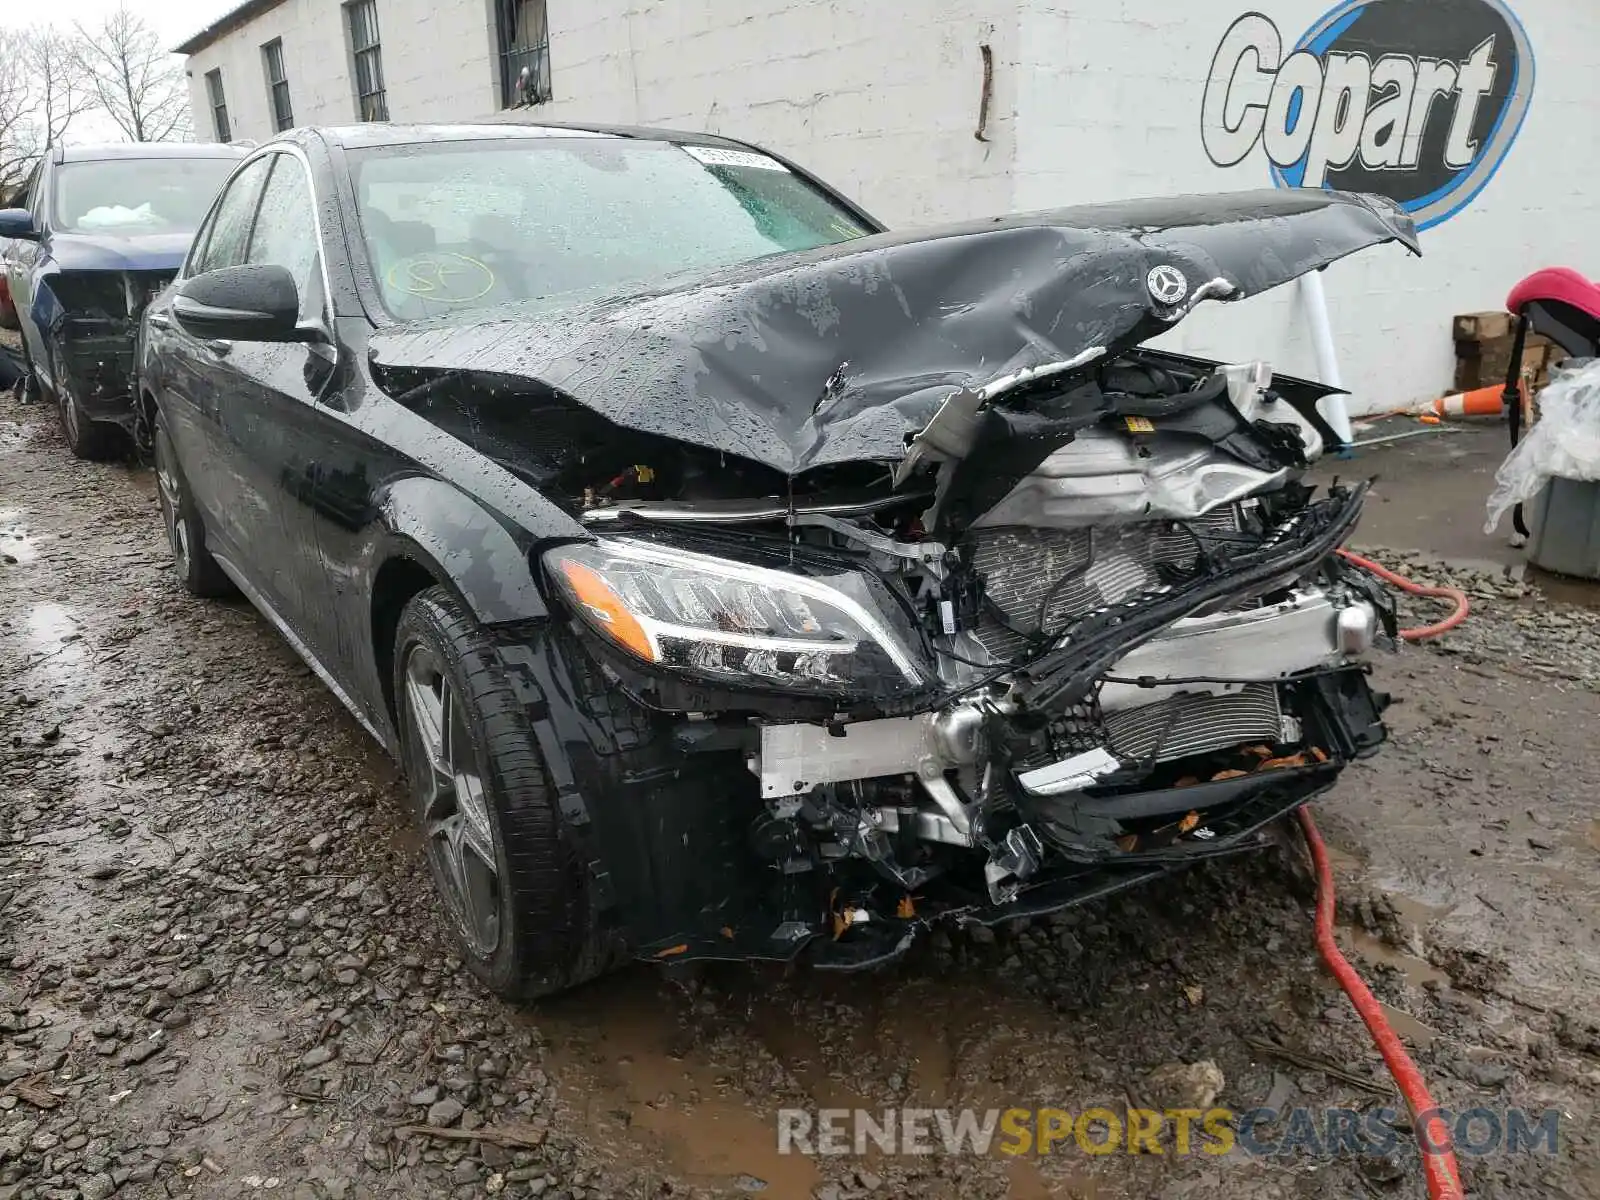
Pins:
x,y
286,230
277,85
219,106
372,102
524,32
228,230
27,196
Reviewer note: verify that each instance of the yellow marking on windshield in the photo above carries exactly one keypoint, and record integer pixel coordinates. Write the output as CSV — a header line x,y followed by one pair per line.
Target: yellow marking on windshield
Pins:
x,y
447,278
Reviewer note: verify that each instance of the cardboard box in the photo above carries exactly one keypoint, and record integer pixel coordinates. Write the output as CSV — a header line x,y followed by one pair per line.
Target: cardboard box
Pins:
x,y
1484,343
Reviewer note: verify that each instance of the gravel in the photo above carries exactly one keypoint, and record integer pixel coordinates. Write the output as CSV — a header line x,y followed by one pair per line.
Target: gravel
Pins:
x,y
1529,633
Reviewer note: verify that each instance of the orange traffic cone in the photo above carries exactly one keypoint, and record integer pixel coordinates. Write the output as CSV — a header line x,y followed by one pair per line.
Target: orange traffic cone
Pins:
x,y
1480,402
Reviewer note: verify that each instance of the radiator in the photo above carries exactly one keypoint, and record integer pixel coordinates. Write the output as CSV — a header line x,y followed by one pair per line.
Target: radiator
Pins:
x,y
1042,580
1194,724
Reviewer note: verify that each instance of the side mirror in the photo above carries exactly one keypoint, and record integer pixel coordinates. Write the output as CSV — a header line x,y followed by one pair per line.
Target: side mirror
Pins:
x,y
17,223
257,303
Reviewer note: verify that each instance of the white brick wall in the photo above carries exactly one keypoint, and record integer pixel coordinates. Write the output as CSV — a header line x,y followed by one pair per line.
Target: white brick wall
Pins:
x,y
438,64
880,105
1093,100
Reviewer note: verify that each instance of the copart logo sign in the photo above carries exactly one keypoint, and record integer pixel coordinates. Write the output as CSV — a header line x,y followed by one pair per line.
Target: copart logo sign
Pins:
x,y
1417,100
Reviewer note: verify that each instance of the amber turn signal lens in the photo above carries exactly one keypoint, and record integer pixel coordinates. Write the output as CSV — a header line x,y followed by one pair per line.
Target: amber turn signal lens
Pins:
x,y
606,611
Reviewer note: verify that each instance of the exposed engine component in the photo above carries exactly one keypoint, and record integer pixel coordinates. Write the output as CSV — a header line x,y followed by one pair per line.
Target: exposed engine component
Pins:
x,y
1038,580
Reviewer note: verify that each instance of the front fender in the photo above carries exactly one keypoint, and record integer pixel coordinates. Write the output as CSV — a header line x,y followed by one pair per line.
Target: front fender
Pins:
x,y
461,544
38,313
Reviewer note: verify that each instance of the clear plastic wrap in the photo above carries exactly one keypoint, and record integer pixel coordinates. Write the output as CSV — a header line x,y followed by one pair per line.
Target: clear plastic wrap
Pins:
x,y
1564,442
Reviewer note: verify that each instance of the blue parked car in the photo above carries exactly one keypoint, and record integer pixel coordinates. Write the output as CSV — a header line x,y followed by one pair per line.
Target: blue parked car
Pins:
x,y
95,233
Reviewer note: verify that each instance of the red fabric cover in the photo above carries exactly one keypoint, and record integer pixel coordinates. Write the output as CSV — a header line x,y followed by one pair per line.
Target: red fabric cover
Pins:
x,y
1556,283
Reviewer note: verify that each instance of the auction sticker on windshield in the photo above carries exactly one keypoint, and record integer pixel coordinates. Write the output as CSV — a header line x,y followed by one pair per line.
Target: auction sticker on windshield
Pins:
x,y
716,156
447,278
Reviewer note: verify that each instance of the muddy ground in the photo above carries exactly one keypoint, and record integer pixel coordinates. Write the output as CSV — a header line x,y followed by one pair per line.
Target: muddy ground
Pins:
x,y
221,972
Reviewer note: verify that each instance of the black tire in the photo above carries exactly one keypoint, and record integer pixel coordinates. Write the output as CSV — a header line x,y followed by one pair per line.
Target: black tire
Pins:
x,y
33,389
550,934
186,533
93,441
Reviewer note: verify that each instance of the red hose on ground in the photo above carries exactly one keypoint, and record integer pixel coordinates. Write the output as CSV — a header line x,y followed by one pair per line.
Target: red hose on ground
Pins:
x,y
1434,1140
1421,632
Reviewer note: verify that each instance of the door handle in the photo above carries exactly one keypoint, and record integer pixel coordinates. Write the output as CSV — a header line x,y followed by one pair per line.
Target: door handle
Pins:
x,y
218,346
157,321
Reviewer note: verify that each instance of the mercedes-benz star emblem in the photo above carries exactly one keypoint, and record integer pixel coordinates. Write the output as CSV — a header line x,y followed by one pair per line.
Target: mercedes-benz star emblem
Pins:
x,y
1167,284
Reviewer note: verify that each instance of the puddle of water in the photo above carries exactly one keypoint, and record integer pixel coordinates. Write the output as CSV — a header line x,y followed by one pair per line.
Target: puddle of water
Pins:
x,y
1025,1181
1565,589
51,624
1415,914
1416,971
628,1063
1343,860
56,642
1407,1027
784,1022
17,545
616,1050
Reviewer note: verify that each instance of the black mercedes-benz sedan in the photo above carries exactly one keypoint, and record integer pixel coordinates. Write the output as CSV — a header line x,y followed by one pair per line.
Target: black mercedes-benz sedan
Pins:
x,y
734,578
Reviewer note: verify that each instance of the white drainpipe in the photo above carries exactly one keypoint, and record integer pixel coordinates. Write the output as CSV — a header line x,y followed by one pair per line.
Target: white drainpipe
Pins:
x,y
1316,302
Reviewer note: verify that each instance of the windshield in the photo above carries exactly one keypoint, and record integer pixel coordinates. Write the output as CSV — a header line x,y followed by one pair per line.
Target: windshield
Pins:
x,y
137,195
453,225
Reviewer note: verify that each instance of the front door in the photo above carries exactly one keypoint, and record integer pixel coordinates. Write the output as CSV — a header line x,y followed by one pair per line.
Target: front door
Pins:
x,y
269,419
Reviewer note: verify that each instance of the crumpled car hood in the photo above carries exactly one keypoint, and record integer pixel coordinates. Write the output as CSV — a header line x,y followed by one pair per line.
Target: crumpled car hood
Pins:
x,y
842,353
115,252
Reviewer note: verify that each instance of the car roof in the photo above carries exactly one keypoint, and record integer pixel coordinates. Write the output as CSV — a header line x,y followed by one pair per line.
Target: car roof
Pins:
x,y
512,124
137,150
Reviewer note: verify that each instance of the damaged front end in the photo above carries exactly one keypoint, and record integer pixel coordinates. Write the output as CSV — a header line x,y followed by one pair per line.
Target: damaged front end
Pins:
x,y
1133,658
985,607
91,318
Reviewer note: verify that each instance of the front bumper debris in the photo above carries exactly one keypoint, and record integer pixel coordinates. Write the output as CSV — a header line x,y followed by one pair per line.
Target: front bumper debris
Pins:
x,y
1306,633
1162,731
94,319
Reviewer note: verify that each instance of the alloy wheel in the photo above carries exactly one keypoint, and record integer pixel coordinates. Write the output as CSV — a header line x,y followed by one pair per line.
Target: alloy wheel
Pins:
x,y
69,415
451,798
169,489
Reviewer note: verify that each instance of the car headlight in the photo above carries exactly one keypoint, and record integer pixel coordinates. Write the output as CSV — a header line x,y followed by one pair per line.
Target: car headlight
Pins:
x,y
733,622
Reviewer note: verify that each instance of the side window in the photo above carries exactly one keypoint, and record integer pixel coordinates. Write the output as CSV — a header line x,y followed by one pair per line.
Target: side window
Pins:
x,y
228,230
27,196
286,231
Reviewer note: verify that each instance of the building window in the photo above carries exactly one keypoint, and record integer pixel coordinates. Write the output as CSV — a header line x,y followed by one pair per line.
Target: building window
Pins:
x,y
277,85
524,32
219,105
372,104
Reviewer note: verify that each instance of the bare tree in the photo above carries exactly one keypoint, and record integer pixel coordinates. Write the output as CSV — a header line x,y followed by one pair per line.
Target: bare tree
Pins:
x,y
17,139
134,80
42,89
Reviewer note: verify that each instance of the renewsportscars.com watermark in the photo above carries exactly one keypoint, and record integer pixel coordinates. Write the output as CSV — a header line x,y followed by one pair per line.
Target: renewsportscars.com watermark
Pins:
x,y
1259,1132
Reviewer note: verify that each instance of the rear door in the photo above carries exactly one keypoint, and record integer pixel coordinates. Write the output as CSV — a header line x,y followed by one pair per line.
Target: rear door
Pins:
x,y
196,373
22,258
